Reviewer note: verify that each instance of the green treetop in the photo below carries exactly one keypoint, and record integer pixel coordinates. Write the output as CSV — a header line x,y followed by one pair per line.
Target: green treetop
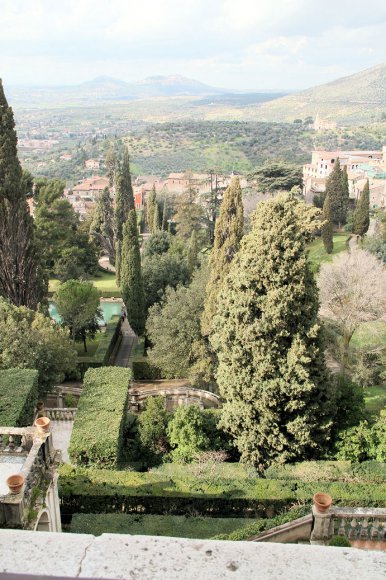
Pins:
x,y
227,236
362,212
21,277
124,203
102,225
266,334
327,229
277,176
131,275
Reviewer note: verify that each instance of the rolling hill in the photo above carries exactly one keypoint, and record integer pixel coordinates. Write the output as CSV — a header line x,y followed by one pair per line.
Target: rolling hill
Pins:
x,y
355,99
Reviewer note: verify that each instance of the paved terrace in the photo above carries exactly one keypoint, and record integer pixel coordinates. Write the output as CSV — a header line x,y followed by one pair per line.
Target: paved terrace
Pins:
x,y
155,558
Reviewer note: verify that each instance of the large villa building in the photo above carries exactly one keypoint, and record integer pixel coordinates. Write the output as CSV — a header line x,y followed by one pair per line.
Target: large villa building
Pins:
x,y
361,165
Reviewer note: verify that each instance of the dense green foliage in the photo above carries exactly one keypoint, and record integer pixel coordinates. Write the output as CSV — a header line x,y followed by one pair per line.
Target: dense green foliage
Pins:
x,y
186,433
377,244
124,203
21,276
337,191
78,305
161,271
157,244
333,471
18,397
227,490
102,224
340,542
152,425
227,235
364,442
362,212
29,340
271,373
275,176
178,315
65,248
327,227
131,275
97,435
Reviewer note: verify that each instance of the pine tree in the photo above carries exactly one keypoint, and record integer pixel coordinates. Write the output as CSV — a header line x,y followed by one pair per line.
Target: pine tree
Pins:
x,y
362,212
124,203
327,229
272,373
150,209
192,255
21,277
337,189
131,275
227,236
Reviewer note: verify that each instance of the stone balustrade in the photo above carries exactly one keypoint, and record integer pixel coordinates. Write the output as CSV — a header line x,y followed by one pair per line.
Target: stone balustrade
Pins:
x,y
359,524
16,439
352,523
58,414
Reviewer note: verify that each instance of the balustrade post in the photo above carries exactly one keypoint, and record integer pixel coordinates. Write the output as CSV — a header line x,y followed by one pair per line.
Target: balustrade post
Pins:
x,y
321,530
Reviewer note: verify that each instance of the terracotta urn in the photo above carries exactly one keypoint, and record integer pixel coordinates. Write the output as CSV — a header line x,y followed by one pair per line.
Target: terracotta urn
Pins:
x,y
322,502
15,483
43,424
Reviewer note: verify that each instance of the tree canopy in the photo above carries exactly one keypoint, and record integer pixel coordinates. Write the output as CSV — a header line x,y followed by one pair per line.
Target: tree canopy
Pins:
x,y
362,212
271,373
277,175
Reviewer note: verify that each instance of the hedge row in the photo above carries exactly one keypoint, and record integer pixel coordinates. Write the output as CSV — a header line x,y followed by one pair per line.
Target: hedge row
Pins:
x,y
105,348
344,471
18,397
257,527
95,491
97,435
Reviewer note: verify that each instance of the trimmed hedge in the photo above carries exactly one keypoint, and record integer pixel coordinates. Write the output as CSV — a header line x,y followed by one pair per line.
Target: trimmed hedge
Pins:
x,y
143,369
97,435
18,397
254,528
105,348
95,491
344,471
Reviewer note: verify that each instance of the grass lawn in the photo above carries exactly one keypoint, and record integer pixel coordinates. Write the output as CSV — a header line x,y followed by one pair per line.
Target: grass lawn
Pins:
x,y
317,254
155,525
369,335
91,344
104,281
375,399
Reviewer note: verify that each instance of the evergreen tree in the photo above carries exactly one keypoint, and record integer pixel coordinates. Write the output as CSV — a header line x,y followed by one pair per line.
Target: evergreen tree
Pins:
x,y
156,219
327,229
164,225
21,277
102,225
337,189
111,165
362,212
124,203
192,255
227,236
272,374
150,209
131,275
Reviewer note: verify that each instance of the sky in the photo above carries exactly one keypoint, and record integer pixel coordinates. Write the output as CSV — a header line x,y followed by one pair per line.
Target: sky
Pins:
x,y
237,44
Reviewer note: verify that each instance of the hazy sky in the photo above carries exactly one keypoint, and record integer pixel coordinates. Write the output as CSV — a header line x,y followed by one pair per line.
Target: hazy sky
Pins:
x,y
246,44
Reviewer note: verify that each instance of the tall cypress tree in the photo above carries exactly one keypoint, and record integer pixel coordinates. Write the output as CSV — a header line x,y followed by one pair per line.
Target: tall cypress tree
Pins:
x,y
362,212
150,209
337,189
272,374
156,219
327,229
102,225
124,203
21,278
164,225
227,236
192,252
131,275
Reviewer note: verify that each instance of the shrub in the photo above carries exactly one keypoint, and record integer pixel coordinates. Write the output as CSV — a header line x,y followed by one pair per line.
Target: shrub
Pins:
x,y
339,541
70,400
333,471
18,397
97,436
145,370
186,433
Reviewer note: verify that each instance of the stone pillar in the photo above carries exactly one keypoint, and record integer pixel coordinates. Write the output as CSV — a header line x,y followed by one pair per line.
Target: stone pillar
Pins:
x,y
321,529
